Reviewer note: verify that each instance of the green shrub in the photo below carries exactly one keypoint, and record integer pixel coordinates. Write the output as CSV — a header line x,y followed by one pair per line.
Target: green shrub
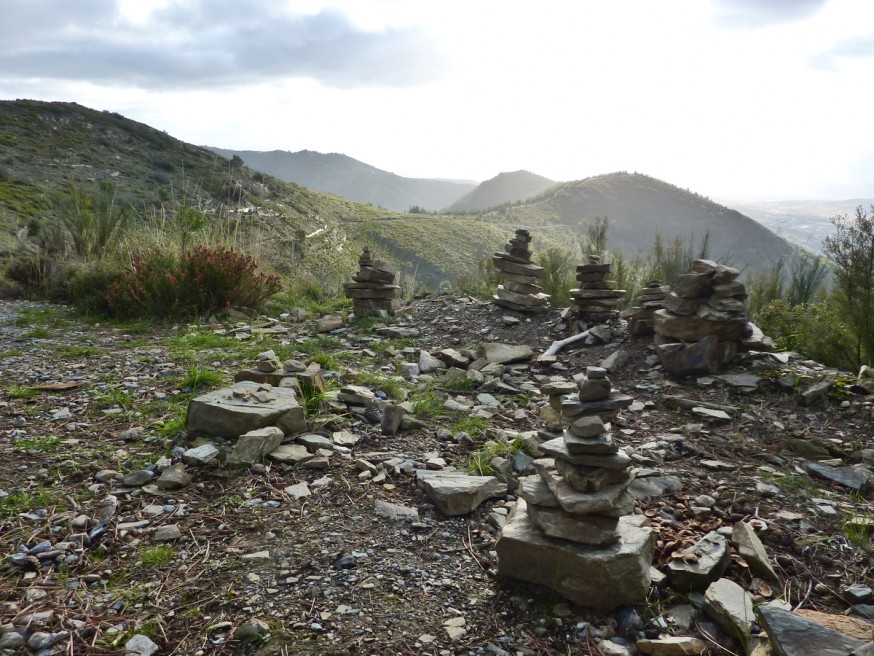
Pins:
x,y
815,330
199,282
92,220
87,285
560,267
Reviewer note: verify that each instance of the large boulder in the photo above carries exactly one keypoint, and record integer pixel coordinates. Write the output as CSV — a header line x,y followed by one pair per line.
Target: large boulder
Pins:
x,y
243,407
594,576
791,634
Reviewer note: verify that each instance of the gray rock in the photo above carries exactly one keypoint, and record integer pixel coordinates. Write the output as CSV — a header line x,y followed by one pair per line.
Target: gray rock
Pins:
x,y
254,446
394,511
252,628
584,529
858,594
140,645
11,640
602,444
791,634
590,479
612,501
654,486
236,410
203,455
855,477
298,491
456,493
731,607
313,442
42,640
536,492
345,438
392,416
498,353
174,478
816,392
671,646
701,564
355,395
557,449
291,453
751,549
614,361
428,363
167,533
137,478
680,359
602,577
328,323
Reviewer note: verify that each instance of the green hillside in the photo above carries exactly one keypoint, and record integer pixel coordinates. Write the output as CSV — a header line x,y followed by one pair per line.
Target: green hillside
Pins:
x,y
503,188
342,175
640,207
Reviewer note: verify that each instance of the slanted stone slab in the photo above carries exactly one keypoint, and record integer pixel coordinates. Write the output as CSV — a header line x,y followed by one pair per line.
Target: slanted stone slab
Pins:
x,y
255,445
704,562
355,395
583,529
557,448
599,577
791,634
292,454
456,493
529,270
751,549
243,407
731,607
855,477
497,353
575,408
205,454
536,492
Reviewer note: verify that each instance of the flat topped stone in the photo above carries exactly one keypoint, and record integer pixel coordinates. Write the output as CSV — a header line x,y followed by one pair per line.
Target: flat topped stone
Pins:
x,y
791,634
592,576
497,353
588,426
591,479
557,448
253,446
355,395
536,492
701,564
238,409
855,477
583,529
558,388
456,493
291,453
602,444
577,408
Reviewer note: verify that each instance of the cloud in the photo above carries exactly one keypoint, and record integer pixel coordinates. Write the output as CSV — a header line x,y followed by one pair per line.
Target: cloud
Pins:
x,y
859,47
205,44
752,14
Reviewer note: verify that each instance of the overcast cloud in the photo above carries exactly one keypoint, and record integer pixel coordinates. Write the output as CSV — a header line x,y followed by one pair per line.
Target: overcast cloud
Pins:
x,y
745,14
205,44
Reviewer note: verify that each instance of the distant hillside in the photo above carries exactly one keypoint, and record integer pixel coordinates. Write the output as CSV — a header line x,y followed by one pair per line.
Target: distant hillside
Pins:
x,y
344,176
503,188
640,207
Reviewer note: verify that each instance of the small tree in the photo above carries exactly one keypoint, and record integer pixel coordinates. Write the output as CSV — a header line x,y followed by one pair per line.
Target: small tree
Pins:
x,y
851,248
92,220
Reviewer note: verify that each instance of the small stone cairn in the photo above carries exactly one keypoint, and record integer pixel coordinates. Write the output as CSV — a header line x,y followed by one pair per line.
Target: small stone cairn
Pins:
x,y
641,317
596,298
573,530
520,289
702,321
372,290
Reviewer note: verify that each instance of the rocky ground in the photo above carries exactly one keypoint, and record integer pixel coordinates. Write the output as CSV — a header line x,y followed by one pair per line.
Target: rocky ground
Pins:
x,y
103,552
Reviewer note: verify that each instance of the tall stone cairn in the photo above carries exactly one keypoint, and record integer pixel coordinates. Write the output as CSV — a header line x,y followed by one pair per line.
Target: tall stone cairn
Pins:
x,y
702,321
573,529
372,290
597,298
641,317
520,288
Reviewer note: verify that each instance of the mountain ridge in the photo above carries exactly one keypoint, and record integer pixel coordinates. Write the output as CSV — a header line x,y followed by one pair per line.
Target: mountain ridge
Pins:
x,y
506,187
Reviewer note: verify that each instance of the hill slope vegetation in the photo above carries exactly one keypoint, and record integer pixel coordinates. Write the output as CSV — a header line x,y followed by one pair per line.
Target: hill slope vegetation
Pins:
x,y
342,175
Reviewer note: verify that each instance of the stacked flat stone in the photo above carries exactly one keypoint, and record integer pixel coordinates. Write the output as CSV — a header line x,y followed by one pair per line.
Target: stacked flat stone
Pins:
x,y
641,317
704,310
520,288
597,298
573,529
372,290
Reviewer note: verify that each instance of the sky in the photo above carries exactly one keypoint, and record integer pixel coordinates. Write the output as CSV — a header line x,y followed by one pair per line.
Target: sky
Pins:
x,y
733,99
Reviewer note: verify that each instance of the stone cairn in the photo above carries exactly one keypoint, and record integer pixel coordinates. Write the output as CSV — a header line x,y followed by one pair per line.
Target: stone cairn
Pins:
x,y
702,321
372,290
573,530
596,298
641,317
520,289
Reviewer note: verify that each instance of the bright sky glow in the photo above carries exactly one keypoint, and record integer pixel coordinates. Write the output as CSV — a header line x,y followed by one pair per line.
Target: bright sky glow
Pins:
x,y
734,99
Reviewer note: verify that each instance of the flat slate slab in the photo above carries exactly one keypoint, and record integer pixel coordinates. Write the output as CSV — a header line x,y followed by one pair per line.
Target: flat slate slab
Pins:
x,y
592,576
792,635
456,493
242,407
557,448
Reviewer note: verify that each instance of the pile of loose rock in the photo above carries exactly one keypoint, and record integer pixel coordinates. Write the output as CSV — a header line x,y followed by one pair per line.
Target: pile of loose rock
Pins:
x,y
597,298
573,530
641,317
372,289
702,321
520,277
